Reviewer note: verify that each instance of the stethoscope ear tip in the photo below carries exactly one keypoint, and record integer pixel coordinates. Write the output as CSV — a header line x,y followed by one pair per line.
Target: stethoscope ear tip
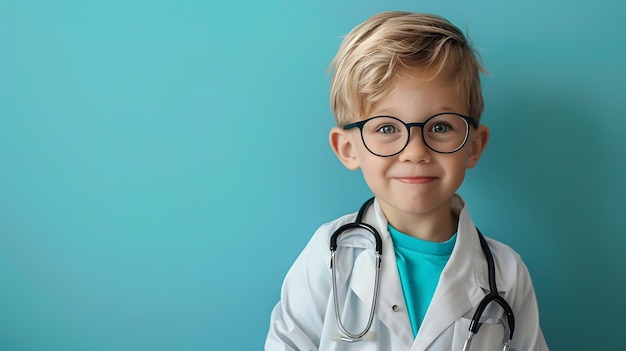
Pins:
x,y
506,345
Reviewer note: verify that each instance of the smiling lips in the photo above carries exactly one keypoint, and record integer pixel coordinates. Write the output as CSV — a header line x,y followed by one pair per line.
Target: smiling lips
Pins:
x,y
417,180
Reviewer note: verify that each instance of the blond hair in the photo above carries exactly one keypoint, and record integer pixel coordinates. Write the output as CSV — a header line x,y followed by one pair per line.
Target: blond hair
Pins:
x,y
373,54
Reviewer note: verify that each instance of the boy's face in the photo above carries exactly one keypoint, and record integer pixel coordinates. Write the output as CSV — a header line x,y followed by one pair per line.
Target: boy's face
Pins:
x,y
417,181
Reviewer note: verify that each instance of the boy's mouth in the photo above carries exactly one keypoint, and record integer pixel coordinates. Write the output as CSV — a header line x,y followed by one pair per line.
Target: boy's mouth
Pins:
x,y
416,180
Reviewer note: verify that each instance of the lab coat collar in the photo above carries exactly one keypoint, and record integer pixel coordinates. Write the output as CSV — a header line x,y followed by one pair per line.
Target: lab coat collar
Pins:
x,y
462,284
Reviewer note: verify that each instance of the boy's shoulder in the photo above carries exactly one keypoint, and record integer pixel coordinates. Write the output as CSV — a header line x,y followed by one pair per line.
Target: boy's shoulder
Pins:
x,y
511,269
329,227
501,249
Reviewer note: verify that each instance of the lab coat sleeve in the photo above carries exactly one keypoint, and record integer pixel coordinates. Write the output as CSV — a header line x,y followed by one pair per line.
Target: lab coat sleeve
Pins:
x,y
528,335
297,320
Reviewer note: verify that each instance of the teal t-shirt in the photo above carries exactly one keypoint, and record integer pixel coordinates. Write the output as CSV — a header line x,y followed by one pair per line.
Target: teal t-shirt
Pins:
x,y
420,264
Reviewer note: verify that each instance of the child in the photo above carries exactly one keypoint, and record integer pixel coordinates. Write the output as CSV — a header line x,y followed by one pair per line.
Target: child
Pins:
x,y
407,100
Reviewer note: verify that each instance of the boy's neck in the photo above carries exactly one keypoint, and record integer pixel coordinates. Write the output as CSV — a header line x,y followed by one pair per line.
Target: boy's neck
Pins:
x,y
438,225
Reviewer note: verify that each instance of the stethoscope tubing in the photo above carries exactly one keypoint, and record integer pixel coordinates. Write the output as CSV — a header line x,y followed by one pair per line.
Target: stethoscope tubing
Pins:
x,y
347,335
492,296
358,223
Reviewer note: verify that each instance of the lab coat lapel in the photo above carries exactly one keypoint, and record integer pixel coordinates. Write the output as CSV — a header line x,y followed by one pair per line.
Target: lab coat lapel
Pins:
x,y
462,283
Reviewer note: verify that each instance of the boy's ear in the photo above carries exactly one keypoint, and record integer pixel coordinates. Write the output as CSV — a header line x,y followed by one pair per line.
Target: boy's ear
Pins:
x,y
478,142
342,145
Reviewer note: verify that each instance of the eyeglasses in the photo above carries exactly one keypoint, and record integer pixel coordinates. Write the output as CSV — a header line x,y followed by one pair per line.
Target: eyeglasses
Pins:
x,y
386,136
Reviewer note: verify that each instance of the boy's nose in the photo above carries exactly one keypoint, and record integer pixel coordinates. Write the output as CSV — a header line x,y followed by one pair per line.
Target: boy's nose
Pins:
x,y
416,150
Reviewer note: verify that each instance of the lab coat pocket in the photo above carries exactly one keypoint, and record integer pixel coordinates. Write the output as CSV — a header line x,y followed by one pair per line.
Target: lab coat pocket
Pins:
x,y
490,336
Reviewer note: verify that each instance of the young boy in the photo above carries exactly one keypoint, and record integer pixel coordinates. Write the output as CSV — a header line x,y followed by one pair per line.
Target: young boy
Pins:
x,y
407,100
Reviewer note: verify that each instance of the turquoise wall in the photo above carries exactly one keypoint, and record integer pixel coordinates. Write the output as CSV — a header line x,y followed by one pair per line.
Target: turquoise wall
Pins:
x,y
162,163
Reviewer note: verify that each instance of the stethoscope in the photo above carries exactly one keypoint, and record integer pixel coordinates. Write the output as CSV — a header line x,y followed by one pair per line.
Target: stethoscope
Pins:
x,y
475,324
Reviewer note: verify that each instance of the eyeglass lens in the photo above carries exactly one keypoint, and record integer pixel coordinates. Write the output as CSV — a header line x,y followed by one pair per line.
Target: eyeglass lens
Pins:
x,y
387,136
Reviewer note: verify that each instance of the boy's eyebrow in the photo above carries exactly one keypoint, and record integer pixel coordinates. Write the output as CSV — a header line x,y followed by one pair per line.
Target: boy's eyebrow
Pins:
x,y
440,109
448,108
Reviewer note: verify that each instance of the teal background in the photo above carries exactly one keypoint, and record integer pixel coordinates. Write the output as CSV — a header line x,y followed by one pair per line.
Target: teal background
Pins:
x,y
162,163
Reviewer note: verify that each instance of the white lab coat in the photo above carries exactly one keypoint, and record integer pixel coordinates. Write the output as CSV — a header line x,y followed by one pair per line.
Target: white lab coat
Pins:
x,y
304,318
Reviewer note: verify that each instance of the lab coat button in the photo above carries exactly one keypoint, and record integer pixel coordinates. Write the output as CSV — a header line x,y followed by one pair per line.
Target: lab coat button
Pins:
x,y
395,308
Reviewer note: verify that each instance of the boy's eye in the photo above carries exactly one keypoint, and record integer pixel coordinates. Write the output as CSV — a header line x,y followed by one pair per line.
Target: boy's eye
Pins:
x,y
387,129
440,127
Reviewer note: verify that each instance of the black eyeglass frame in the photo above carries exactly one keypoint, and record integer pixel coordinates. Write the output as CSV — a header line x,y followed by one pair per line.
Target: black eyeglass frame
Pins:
x,y
470,121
